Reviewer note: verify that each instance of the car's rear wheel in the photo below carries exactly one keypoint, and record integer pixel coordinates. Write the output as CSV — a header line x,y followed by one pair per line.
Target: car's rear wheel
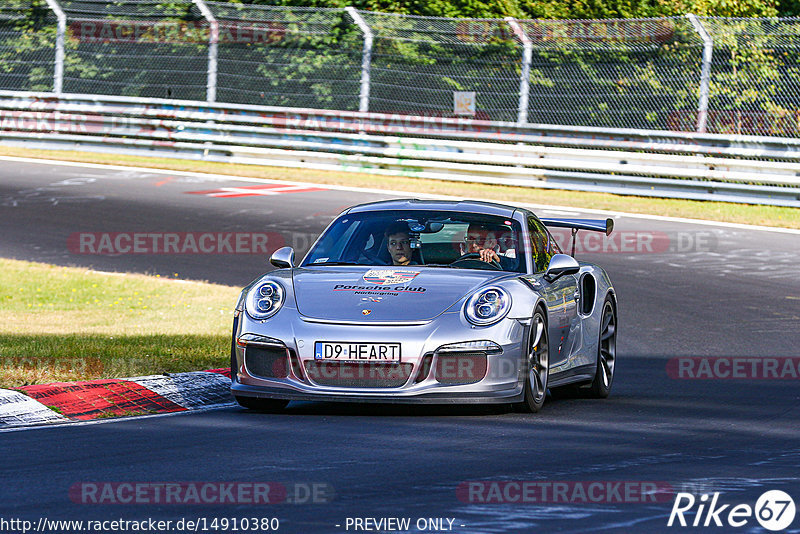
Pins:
x,y
537,366
262,405
606,352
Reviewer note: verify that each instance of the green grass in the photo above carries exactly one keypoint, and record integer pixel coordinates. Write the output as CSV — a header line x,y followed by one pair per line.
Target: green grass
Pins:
x,y
713,211
66,324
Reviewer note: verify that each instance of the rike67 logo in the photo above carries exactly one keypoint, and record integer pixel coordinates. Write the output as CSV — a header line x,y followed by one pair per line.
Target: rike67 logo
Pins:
x,y
774,510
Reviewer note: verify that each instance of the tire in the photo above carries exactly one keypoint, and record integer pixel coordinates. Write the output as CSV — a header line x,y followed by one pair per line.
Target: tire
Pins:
x,y
606,352
536,365
262,405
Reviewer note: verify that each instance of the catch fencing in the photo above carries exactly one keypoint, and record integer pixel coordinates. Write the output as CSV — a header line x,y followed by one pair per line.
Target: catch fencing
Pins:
x,y
691,74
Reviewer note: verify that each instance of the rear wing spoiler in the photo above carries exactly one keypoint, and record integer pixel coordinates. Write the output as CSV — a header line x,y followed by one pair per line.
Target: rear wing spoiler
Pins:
x,y
595,225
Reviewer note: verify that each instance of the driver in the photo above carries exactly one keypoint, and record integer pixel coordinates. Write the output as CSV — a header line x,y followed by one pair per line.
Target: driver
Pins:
x,y
398,243
484,239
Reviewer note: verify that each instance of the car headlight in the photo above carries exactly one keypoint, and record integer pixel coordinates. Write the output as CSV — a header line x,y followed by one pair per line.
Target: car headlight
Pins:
x,y
488,306
264,300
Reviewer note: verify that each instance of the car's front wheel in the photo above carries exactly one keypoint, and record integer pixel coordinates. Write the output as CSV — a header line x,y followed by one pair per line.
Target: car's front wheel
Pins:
x,y
606,352
261,405
537,366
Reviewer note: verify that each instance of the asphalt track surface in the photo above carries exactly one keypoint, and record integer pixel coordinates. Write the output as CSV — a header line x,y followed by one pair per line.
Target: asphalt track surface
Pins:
x,y
716,291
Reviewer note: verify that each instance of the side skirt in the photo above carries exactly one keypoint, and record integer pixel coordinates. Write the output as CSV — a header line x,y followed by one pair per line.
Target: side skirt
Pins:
x,y
584,373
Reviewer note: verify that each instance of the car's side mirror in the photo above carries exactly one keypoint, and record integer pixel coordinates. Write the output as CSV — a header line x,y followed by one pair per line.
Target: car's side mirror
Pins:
x,y
283,258
561,264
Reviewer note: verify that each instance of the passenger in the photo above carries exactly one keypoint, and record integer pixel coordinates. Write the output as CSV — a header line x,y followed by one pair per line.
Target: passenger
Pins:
x,y
398,243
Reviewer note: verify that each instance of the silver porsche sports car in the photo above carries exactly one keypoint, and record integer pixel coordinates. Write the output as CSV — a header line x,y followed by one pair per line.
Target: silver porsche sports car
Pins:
x,y
427,302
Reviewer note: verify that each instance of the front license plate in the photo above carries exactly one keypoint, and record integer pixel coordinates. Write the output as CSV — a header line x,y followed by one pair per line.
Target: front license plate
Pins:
x,y
334,351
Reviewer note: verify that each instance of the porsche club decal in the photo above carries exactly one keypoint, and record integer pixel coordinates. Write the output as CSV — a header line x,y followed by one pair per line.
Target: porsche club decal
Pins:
x,y
381,291
385,282
389,277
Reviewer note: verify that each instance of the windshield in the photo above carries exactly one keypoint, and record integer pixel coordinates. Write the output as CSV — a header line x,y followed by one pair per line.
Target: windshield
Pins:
x,y
424,238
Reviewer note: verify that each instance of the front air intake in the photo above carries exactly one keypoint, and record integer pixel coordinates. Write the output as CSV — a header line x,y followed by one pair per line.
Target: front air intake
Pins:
x,y
266,362
460,368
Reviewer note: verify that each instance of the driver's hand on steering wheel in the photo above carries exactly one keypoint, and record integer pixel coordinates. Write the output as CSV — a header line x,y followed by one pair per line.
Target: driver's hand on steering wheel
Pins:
x,y
488,255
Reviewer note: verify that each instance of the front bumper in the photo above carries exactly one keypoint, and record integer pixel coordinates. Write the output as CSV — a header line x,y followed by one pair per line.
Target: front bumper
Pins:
x,y
501,382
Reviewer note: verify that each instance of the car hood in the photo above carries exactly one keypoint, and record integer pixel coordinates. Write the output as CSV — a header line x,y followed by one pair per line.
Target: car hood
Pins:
x,y
383,294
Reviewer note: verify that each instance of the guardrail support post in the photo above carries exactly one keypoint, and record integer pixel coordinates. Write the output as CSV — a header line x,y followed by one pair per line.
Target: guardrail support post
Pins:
x,y
705,74
213,40
366,59
61,32
525,77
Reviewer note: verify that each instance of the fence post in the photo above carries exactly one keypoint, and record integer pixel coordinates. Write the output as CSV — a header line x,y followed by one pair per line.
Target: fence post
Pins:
x,y
213,40
705,74
366,59
525,77
58,74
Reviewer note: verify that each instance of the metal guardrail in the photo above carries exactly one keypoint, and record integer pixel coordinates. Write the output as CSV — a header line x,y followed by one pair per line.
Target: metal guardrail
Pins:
x,y
633,162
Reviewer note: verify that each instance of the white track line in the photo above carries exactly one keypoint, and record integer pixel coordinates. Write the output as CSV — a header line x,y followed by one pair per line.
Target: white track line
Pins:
x,y
405,194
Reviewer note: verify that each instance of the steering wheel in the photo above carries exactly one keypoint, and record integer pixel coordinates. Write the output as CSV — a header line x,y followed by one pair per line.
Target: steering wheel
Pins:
x,y
472,260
